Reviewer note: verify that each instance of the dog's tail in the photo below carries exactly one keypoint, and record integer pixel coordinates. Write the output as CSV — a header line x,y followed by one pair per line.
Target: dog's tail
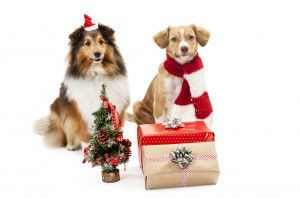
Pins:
x,y
52,138
42,126
129,116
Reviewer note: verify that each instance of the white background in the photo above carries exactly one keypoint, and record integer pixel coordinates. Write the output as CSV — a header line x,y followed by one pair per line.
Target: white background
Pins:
x,y
253,76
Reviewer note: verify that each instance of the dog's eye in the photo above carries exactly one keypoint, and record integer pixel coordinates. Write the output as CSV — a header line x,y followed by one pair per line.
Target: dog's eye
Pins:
x,y
87,43
101,41
191,37
173,39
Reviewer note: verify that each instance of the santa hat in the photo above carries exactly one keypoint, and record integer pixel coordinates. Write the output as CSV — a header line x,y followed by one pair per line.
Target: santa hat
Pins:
x,y
88,24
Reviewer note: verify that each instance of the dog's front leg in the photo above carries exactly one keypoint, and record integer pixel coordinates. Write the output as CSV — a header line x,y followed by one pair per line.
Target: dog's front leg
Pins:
x,y
159,111
169,111
75,133
171,97
159,107
163,107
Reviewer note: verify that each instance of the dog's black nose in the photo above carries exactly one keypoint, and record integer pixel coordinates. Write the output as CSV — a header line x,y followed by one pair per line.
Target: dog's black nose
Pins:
x,y
184,49
97,54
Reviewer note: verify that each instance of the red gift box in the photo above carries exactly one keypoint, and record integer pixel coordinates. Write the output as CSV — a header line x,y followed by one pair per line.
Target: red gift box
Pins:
x,y
157,134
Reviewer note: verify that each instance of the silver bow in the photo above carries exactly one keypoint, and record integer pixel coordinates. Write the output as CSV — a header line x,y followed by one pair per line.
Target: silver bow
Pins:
x,y
173,123
182,156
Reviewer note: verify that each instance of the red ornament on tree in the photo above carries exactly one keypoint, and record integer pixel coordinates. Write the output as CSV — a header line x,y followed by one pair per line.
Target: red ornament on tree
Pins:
x,y
115,161
102,136
119,137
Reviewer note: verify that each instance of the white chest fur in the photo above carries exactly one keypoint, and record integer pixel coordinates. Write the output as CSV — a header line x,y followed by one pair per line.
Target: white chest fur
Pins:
x,y
86,91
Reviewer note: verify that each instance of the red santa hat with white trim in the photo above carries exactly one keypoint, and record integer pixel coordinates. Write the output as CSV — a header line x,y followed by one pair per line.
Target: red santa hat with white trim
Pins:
x,y
88,24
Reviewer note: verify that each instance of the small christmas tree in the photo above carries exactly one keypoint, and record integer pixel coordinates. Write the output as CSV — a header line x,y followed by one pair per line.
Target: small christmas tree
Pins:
x,y
107,147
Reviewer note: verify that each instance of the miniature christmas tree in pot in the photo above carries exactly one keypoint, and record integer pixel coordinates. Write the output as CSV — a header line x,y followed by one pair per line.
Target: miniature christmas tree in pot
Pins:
x,y
107,147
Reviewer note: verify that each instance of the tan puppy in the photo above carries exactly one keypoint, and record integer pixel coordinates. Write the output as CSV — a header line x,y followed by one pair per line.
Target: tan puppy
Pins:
x,y
181,45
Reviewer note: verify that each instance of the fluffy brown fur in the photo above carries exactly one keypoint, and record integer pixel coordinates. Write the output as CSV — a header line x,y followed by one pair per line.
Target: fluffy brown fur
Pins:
x,y
65,125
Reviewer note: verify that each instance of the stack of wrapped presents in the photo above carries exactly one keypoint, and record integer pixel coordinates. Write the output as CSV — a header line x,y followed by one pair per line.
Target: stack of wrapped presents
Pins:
x,y
183,155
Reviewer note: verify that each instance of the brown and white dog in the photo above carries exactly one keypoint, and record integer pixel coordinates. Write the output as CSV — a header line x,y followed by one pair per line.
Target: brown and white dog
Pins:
x,y
165,97
94,59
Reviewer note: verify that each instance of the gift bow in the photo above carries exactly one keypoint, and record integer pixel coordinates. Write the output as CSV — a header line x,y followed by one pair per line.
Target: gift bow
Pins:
x,y
173,123
182,156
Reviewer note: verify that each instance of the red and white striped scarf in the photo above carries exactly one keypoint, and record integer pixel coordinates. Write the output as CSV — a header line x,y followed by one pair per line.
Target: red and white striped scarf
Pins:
x,y
193,88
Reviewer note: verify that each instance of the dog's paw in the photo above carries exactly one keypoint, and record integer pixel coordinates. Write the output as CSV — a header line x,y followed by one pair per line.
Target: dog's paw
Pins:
x,y
160,119
73,147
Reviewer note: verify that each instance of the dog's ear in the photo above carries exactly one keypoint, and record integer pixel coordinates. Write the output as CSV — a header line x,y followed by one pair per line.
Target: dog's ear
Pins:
x,y
202,35
162,38
107,32
76,36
